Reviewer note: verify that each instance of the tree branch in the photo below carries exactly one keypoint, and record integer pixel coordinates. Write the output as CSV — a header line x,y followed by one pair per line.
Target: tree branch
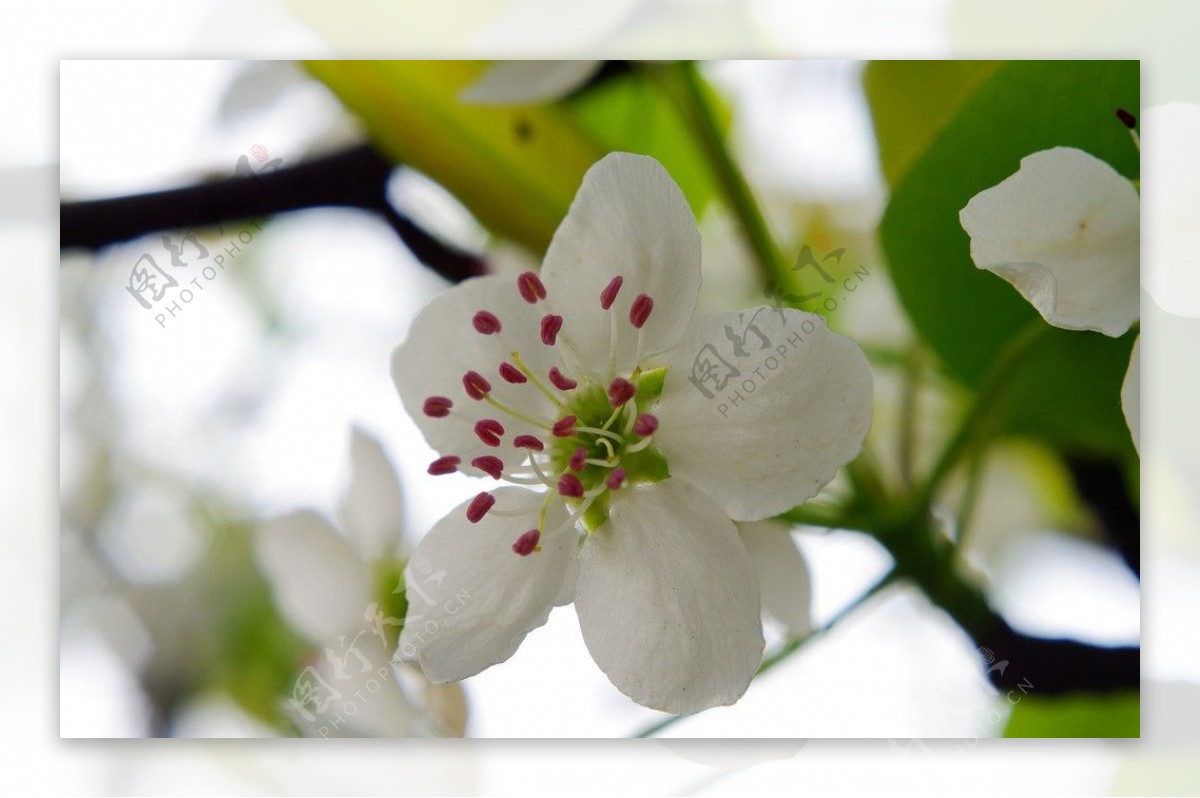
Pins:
x,y
355,178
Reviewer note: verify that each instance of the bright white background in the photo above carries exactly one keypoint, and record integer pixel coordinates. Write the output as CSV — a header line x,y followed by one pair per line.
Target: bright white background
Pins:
x,y
29,567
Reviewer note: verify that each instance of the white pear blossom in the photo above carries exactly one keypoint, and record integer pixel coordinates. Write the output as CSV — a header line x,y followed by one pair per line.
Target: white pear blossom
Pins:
x,y
338,590
1064,231
631,436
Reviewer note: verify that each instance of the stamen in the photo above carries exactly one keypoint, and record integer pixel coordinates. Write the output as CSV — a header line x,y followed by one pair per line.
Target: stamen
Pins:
x,y
578,458
492,466
560,381
531,288
479,506
529,375
564,427
620,391
527,543
512,374
489,431
437,407
503,408
444,465
486,323
615,479
570,486
646,425
1127,119
640,310
477,387
609,294
528,442
551,324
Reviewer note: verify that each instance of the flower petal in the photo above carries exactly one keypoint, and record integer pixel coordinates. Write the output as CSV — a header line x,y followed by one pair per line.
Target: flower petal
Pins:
x,y
321,586
1131,392
783,577
1170,181
528,82
761,408
373,511
365,699
629,218
443,345
668,600
471,599
1063,231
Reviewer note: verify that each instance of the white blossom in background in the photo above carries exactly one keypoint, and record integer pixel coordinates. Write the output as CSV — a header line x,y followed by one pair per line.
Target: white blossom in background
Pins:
x,y
529,82
590,390
1064,231
335,586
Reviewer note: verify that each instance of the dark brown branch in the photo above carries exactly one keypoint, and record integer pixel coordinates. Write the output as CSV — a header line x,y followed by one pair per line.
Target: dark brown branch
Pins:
x,y
355,178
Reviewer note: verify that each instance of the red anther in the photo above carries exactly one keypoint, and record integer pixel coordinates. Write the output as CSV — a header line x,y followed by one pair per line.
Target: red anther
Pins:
x,y
438,407
486,323
609,294
639,311
512,374
477,387
569,485
479,506
444,465
1127,119
527,543
528,442
561,382
492,466
578,458
489,431
564,427
645,425
551,324
531,288
616,479
620,392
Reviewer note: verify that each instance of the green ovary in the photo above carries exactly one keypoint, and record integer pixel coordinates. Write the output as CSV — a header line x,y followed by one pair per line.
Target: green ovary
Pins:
x,y
590,405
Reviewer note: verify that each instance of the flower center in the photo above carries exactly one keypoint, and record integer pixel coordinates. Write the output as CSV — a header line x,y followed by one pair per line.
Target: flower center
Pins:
x,y
599,440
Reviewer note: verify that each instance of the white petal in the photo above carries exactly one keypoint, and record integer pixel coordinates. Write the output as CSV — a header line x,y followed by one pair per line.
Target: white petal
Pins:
x,y
668,600
527,82
629,218
783,578
443,345
1063,231
1131,393
761,408
1171,191
373,511
321,586
365,699
471,599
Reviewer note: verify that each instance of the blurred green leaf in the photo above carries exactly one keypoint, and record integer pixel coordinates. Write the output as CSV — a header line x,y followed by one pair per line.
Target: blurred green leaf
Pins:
x,y
516,168
1070,391
912,101
1076,715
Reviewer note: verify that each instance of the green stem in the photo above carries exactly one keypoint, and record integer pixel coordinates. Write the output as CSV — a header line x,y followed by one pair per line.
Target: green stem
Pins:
x,y
980,418
791,646
691,93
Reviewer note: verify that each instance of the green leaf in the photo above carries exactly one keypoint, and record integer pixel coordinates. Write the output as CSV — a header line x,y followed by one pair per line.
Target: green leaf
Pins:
x,y
912,101
516,168
1070,391
1076,715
